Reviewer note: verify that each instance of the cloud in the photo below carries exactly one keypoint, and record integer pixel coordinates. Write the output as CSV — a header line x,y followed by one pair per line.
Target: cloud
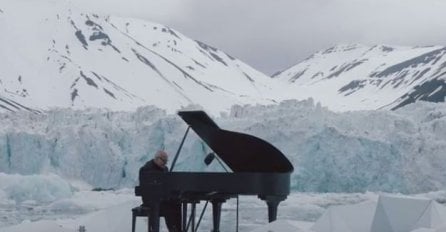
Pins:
x,y
273,34
154,10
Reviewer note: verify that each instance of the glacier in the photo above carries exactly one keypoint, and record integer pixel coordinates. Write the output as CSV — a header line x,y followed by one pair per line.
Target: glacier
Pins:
x,y
391,151
51,161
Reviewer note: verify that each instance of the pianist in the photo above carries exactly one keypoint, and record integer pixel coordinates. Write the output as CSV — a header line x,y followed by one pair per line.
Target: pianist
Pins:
x,y
171,210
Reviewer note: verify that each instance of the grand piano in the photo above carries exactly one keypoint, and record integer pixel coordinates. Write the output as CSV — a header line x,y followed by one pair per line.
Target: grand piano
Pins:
x,y
258,168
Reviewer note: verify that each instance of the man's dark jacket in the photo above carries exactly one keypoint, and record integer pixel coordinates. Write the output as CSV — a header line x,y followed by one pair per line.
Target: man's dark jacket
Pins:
x,y
151,166
171,210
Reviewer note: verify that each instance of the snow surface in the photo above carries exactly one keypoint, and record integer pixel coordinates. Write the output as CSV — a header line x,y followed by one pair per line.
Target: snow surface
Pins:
x,y
387,213
111,211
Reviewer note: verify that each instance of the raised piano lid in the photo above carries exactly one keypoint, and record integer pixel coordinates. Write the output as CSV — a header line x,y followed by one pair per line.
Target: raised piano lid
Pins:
x,y
241,152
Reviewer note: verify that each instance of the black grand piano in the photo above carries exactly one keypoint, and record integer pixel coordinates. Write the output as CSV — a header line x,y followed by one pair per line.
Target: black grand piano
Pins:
x,y
258,168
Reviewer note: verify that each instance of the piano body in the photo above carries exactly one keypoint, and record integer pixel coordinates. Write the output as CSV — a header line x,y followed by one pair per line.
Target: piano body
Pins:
x,y
258,169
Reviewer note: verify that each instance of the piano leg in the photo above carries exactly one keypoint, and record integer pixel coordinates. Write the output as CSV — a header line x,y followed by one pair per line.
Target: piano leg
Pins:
x,y
272,202
154,218
184,217
192,215
272,210
216,214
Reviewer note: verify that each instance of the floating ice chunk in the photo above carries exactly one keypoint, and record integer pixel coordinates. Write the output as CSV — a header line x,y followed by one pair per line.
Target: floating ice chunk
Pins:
x,y
37,188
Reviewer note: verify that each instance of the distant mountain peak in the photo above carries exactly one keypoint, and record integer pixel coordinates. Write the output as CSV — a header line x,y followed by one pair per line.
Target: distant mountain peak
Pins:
x,y
81,60
355,76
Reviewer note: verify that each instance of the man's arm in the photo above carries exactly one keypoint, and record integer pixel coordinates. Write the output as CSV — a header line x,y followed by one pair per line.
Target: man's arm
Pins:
x,y
143,169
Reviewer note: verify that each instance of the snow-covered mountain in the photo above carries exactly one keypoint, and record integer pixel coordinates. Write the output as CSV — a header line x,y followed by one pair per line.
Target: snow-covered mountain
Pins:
x,y
356,77
54,55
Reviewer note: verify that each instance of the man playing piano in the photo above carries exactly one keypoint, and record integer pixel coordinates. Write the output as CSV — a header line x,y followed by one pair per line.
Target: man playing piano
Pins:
x,y
171,210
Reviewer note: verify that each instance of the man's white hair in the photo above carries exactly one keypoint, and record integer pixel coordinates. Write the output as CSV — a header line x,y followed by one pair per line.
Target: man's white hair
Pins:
x,y
160,154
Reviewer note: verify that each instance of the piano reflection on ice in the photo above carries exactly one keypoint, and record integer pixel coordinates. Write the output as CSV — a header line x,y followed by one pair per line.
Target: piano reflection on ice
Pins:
x,y
258,168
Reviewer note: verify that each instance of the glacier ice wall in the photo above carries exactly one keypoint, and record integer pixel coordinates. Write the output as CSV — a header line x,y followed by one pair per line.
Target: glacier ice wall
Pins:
x,y
104,149
393,151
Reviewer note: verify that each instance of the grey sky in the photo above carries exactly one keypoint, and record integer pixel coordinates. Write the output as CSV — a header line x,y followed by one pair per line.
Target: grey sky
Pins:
x,y
271,35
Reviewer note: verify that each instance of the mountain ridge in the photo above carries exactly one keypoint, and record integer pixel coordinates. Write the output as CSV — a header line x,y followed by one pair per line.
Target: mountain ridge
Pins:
x,y
370,77
82,60
56,56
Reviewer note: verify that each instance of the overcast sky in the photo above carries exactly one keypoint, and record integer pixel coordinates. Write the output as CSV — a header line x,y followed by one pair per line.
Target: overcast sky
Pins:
x,y
272,35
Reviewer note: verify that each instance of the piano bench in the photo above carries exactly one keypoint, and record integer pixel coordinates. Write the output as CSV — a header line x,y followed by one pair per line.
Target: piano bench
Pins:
x,y
140,211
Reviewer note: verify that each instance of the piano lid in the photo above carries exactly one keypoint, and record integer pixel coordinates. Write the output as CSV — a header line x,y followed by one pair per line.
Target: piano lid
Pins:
x,y
241,152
